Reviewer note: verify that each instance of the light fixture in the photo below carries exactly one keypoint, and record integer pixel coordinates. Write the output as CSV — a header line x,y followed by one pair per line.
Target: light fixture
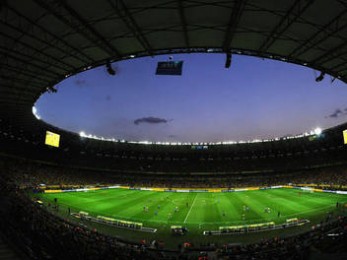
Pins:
x,y
109,68
228,60
320,77
317,131
51,89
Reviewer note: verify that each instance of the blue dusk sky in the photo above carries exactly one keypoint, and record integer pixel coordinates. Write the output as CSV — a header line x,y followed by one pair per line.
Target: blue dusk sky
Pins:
x,y
254,99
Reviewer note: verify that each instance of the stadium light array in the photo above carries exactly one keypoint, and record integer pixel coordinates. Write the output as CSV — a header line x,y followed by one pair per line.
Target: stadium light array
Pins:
x,y
35,113
317,131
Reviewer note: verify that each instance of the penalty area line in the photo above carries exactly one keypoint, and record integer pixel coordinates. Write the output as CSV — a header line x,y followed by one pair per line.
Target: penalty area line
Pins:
x,y
190,208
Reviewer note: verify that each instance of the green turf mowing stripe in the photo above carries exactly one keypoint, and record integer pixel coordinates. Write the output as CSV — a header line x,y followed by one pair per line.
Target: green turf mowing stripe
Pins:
x,y
196,210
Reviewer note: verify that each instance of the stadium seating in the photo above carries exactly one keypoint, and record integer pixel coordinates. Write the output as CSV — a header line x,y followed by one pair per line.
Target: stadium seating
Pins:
x,y
41,234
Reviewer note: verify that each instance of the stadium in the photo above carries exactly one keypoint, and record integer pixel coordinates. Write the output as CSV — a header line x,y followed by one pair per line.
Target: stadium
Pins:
x,y
68,195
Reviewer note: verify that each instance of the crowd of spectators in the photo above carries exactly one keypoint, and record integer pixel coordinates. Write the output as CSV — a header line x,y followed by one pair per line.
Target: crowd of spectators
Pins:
x,y
294,247
84,152
34,174
42,235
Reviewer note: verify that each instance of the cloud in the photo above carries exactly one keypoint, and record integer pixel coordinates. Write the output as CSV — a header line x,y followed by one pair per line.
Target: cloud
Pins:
x,y
337,113
150,120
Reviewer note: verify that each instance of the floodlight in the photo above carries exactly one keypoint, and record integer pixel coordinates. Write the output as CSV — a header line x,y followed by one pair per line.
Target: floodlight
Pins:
x,y
34,110
52,89
109,69
318,131
320,77
228,60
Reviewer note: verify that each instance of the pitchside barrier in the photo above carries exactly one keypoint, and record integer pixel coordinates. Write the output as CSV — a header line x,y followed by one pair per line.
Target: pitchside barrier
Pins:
x,y
302,187
114,222
252,228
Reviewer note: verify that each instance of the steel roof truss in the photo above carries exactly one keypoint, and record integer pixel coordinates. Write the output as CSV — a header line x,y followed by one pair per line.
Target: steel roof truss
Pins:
x,y
234,19
73,51
36,51
325,32
63,12
120,7
183,22
288,19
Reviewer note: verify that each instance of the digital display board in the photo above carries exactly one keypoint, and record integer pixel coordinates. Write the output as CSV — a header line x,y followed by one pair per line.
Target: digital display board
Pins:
x,y
52,139
169,68
199,147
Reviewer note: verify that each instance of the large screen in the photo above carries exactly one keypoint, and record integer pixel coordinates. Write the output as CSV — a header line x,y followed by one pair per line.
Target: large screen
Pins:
x,y
345,136
169,68
52,139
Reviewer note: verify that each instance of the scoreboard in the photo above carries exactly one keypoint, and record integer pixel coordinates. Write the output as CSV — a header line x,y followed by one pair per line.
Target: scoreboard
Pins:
x,y
169,68
52,139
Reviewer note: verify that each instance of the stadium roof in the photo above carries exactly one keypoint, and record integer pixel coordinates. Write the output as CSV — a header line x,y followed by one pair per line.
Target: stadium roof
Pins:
x,y
44,41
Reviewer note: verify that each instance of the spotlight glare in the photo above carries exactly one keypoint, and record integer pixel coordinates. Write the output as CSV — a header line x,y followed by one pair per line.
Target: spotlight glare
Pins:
x,y
318,131
34,111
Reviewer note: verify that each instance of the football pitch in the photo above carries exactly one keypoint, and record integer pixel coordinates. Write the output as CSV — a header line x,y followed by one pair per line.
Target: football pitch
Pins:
x,y
199,210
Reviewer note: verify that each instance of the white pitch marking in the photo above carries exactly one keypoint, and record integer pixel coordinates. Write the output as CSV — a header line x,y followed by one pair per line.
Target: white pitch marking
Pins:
x,y
190,208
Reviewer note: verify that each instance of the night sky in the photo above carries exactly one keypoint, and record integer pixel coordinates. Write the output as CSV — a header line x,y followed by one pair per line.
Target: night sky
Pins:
x,y
254,99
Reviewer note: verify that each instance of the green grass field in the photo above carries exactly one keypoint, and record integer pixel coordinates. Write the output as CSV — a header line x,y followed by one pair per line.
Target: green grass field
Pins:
x,y
199,211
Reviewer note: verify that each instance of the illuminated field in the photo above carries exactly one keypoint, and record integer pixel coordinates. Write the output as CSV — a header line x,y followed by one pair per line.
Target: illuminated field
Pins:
x,y
199,211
